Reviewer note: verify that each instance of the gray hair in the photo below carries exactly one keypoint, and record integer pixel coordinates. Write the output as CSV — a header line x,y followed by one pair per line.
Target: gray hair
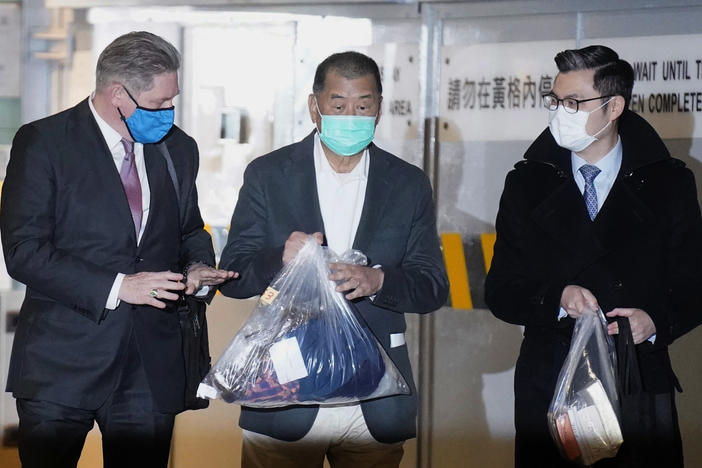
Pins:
x,y
134,59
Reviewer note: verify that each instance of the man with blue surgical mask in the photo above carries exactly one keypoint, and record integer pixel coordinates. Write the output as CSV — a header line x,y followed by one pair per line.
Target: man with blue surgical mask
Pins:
x,y
597,215
92,224
337,186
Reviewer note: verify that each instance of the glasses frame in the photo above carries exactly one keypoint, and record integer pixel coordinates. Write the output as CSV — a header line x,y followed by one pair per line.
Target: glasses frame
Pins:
x,y
560,102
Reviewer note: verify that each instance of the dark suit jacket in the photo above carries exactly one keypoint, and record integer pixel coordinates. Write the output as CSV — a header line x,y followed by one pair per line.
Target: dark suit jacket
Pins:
x,y
643,250
397,230
66,232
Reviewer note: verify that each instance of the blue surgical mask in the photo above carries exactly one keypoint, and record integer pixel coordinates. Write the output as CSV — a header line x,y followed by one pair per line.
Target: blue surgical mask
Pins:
x,y
148,125
346,135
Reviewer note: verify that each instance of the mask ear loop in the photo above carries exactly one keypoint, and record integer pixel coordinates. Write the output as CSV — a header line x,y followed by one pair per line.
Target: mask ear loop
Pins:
x,y
607,124
321,117
121,115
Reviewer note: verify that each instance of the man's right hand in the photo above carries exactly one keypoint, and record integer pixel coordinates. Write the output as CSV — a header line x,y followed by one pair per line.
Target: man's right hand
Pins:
x,y
575,300
295,242
147,288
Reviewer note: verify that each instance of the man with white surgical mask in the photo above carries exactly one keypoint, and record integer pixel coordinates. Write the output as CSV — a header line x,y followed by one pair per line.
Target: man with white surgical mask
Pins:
x,y
336,185
598,214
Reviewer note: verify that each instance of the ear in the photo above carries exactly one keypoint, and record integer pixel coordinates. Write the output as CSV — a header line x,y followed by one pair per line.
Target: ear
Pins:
x,y
116,94
616,107
314,114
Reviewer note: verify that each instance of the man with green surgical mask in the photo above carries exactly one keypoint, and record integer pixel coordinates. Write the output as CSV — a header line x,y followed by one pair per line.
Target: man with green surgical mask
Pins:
x,y
338,187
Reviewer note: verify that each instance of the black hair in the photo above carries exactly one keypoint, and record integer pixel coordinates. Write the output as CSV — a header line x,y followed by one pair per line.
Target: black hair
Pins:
x,y
350,65
613,76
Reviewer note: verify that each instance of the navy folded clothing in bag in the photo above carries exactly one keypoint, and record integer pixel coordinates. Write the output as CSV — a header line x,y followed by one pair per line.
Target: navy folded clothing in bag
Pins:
x,y
303,344
344,371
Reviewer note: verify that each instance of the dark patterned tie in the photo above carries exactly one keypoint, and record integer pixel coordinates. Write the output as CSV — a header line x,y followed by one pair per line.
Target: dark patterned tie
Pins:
x,y
130,179
589,173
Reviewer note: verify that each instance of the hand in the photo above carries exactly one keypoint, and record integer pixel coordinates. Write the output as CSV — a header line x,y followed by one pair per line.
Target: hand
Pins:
x,y
642,326
360,280
295,242
200,275
576,300
136,289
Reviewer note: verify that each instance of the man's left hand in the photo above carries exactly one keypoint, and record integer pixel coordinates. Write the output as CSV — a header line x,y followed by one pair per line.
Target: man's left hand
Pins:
x,y
200,275
360,280
642,326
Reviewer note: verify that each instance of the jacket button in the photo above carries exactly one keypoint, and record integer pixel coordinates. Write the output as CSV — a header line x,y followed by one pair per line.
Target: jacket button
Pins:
x,y
138,259
617,284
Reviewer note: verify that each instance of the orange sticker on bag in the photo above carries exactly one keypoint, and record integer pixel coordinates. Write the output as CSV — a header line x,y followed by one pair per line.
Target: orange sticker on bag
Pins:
x,y
269,295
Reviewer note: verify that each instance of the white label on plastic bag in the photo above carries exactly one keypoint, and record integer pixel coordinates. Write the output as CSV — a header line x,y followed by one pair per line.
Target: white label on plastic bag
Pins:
x,y
287,360
397,339
269,295
205,391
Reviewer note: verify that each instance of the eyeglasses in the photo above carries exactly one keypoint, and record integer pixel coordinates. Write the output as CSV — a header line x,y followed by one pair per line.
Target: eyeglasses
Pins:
x,y
571,105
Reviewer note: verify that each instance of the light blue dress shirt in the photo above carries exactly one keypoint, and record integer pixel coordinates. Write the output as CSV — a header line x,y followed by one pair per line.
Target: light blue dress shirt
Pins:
x,y
609,166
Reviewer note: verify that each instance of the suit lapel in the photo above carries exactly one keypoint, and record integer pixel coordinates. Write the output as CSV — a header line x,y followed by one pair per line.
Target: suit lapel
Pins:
x,y
301,176
377,189
100,158
564,218
155,170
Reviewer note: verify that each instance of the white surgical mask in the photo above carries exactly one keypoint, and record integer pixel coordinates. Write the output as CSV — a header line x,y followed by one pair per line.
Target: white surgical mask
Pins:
x,y
569,129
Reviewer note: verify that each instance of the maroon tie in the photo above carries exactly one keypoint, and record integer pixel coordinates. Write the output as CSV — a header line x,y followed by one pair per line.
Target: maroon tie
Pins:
x,y
130,179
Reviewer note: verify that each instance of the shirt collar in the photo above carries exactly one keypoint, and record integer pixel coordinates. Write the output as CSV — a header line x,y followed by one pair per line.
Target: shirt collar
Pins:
x,y
112,138
359,172
609,164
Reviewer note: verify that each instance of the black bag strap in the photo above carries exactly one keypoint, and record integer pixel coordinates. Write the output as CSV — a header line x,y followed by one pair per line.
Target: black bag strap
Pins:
x,y
628,374
174,177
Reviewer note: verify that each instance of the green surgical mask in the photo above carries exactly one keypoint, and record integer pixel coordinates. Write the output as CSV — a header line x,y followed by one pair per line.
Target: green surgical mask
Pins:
x,y
346,135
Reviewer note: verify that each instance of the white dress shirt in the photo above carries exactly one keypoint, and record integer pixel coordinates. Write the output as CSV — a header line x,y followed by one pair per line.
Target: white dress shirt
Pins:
x,y
114,143
341,198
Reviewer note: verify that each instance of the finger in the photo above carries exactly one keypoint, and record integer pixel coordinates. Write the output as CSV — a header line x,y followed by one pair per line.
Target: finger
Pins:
x,y
353,295
168,296
319,237
218,274
338,267
339,277
620,313
166,275
613,328
212,281
348,285
152,301
190,289
168,285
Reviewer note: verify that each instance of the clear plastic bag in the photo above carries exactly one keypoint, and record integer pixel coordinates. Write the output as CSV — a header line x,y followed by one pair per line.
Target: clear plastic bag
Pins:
x,y
584,416
303,344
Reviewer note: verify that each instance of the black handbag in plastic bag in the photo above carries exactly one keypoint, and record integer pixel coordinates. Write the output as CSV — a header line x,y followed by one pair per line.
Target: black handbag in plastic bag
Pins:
x,y
196,349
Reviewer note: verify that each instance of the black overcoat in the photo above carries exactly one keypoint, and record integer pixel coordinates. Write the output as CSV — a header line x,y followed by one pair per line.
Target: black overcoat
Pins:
x,y
643,250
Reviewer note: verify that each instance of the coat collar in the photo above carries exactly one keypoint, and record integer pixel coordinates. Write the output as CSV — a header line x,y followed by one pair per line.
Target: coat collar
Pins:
x,y
623,217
